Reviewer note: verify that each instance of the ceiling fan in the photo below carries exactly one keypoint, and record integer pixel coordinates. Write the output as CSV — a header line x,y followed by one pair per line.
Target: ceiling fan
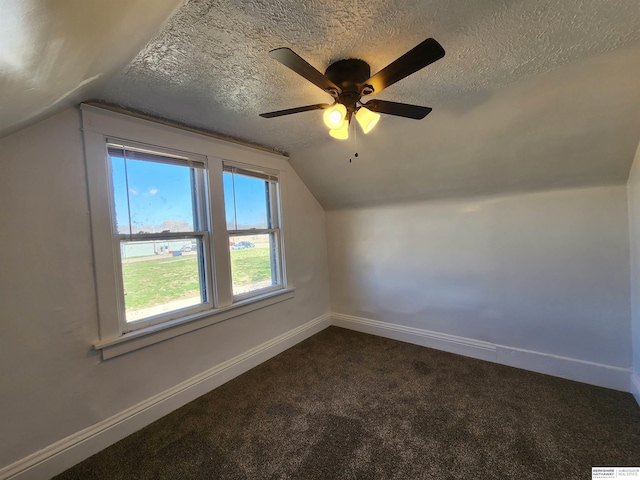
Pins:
x,y
347,81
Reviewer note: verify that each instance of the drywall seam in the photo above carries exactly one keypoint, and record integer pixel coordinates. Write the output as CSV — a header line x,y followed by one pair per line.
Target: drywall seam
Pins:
x,y
73,449
607,376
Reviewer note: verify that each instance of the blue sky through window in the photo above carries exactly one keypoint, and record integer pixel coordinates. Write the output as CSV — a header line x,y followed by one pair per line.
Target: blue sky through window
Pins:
x,y
250,209
158,197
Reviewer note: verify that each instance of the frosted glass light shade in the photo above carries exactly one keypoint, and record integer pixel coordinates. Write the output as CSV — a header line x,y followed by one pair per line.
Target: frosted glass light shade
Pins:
x,y
334,117
341,133
367,119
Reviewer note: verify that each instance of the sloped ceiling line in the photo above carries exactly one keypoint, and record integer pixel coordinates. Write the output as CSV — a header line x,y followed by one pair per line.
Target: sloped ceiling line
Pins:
x,y
520,100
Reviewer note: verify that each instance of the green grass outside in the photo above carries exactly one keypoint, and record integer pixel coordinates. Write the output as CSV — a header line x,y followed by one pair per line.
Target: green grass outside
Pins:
x,y
250,265
155,282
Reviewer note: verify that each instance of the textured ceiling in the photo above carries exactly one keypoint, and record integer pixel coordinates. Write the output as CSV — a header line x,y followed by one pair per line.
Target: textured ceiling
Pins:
x,y
532,94
210,66
574,126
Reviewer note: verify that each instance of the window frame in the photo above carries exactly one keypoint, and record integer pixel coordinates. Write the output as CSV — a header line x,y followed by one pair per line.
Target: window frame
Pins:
x,y
203,219
274,220
100,125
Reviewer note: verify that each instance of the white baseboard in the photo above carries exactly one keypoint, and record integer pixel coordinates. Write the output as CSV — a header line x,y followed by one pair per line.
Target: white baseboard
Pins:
x,y
71,450
616,378
635,386
67,452
417,336
607,376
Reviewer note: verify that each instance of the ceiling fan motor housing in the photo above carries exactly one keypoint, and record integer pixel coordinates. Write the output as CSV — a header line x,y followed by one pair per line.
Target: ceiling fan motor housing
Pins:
x,y
350,75
347,81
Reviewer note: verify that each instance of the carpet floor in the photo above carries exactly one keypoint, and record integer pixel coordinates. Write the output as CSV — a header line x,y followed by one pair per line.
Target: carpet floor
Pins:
x,y
348,405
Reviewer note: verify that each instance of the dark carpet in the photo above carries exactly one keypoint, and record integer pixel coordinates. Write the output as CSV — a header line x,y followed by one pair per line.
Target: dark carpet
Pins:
x,y
348,405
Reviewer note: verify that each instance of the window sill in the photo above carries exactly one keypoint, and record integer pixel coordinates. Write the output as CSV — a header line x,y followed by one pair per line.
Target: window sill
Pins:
x,y
144,337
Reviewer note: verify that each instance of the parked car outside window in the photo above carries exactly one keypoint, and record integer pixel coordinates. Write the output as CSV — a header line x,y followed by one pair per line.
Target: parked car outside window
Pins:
x,y
242,245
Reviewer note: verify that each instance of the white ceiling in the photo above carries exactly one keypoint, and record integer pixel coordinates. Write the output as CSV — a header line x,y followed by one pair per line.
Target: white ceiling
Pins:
x,y
56,53
531,94
574,126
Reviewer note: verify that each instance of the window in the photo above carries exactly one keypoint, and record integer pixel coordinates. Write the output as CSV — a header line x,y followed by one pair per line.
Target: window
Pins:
x,y
252,213
160,229
181,238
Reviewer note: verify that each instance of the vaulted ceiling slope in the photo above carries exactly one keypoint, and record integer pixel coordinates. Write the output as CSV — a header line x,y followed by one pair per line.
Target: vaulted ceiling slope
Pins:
x,y
574,126
56,53
532,94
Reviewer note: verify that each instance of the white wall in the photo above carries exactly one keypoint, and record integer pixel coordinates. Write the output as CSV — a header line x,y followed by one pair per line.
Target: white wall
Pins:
x,y
546,272
633,192
53,383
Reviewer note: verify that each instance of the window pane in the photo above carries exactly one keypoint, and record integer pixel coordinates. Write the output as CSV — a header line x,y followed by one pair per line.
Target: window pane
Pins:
x,y
153,197
161,276
253,262
246,202
120,194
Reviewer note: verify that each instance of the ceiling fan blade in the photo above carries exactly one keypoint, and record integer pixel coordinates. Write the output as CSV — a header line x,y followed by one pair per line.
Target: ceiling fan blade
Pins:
x,y
289,111
418,57
399,109
295,62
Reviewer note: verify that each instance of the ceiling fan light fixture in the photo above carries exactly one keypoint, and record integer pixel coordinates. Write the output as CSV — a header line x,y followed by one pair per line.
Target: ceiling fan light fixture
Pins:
x,y
334,117
346,81
367,119
341,133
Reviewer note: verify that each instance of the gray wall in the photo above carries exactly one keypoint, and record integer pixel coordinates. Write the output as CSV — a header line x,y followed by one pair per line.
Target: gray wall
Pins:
x,y
53,383
547,272
633,191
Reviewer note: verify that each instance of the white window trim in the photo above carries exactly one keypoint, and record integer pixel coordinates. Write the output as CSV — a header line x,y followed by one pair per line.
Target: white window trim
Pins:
x,y
99,125
204,184
276,218
131,341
